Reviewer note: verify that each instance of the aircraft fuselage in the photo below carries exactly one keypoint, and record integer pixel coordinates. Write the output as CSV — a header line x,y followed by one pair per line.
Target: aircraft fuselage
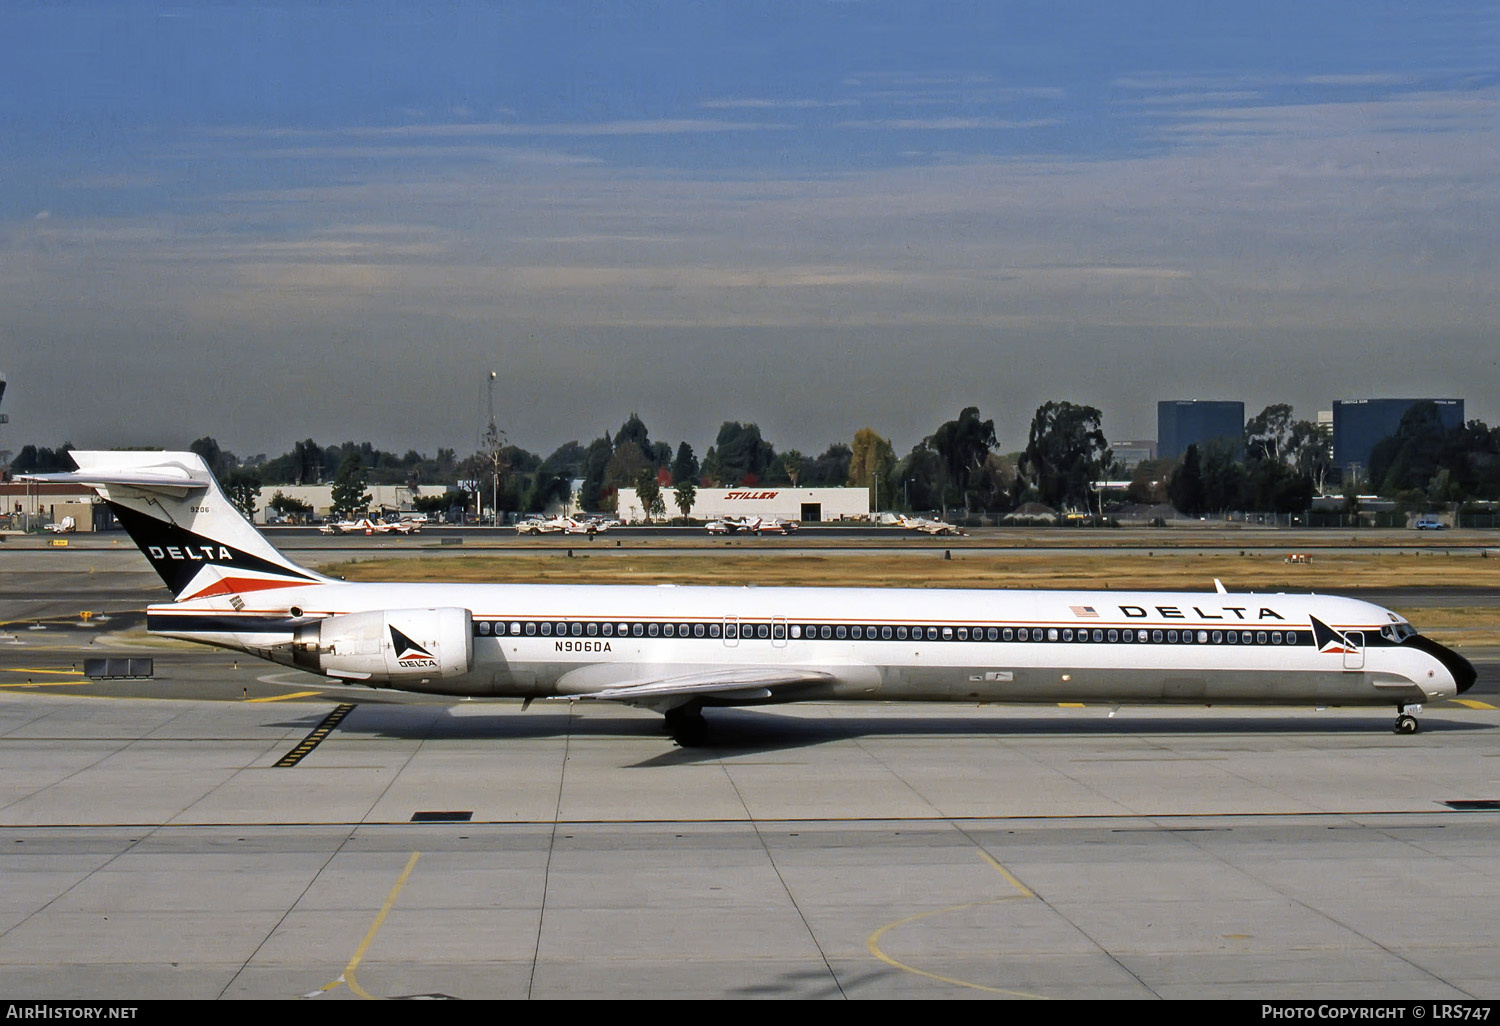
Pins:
x,y
925,645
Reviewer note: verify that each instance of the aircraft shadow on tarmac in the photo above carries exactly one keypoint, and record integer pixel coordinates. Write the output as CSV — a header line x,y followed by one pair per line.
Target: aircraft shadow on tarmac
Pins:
x,y
742,731
808,985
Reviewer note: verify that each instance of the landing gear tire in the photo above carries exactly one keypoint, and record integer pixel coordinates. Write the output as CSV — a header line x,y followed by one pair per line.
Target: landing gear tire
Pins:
x,y
687,727
1407,724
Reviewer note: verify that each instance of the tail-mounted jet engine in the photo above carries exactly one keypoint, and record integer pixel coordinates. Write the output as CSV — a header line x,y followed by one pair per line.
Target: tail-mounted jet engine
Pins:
x,y
386,646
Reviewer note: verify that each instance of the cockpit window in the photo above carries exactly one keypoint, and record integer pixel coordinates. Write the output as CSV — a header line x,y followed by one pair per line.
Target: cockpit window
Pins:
x,y
1397,632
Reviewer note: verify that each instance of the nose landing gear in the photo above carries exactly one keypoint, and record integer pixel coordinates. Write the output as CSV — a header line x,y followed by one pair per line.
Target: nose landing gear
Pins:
x,y
1406,720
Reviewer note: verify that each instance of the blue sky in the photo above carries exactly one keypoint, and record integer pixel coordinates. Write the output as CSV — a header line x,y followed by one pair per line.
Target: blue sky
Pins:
x,y
269,222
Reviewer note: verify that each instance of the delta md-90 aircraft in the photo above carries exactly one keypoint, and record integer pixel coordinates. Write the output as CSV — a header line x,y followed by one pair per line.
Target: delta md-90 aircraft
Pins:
x,y
678,650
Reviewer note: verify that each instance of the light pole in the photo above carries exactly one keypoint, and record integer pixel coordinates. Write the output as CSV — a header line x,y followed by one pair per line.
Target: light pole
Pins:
x,y
492,439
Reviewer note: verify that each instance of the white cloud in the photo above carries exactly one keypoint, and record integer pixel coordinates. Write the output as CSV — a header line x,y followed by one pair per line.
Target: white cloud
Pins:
x,y
1328,233
767,103
951,124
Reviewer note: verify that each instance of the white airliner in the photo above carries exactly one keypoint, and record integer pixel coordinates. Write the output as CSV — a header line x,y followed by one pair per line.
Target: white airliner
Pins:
x,y
679,649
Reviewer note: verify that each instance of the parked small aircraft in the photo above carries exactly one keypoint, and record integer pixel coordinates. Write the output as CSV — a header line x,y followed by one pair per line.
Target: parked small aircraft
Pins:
x,y
364,525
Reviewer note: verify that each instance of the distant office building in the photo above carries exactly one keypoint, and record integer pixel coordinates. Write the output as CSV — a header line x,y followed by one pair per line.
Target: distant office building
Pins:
x,y
1132,452
1184,422
1360,424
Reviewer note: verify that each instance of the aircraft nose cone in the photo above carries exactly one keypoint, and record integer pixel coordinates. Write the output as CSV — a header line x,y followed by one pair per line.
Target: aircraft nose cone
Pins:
x,y
1463,672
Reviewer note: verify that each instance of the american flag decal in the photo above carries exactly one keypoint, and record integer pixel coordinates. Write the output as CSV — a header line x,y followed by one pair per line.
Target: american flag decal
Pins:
x,y
1083,611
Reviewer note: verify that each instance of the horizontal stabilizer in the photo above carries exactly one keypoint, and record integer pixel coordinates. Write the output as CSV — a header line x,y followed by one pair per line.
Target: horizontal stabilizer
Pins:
x,y
170,480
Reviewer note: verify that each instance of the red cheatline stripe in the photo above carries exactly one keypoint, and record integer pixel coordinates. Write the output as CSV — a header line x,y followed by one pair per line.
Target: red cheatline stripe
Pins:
x,y
237,585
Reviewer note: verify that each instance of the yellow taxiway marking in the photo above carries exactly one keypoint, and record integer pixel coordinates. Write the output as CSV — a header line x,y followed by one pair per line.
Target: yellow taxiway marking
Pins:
x,y
1026,892
36,669
1070,705
283,698
46,684
1022,892
1474,703
347,976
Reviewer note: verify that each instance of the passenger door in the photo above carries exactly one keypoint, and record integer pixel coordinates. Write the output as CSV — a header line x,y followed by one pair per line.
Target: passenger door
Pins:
x,y
1354,650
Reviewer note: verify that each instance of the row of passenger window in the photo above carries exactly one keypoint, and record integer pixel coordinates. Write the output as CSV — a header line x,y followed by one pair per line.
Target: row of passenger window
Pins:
x,y
780,631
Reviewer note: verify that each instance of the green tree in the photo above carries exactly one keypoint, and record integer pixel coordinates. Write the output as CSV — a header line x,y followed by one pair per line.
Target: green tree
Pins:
x,y
634,430
547,485
993,484
648,491
626,465
1412,456
220,463
741,453
32,460
596,462
871,460
1065,453
686,493
307,459
1473,455
963,444
1445,489
1351,507
436,504
1225,483
710,473
568,458
1185,489
1270,434
1276,487
830,470
791,465
349,496
243,488
921,478
1148,482
1312,453
286,506
241,484
685,466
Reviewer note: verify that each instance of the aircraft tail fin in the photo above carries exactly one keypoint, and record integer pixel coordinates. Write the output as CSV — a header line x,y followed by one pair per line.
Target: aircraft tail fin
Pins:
x,y
184,523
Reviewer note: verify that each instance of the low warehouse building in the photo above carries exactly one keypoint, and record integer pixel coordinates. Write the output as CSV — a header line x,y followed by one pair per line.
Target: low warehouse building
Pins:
x,y
807,505
25,506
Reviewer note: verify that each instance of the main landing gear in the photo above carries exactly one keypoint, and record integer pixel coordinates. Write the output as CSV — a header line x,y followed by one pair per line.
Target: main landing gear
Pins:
x,y
1406,720
687,726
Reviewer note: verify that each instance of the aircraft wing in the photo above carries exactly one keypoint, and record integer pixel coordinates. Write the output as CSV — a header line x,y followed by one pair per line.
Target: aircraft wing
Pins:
x,y
749,681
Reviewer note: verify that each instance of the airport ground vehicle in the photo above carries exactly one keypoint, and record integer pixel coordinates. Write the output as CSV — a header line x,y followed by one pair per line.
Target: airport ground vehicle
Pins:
x,y
679,650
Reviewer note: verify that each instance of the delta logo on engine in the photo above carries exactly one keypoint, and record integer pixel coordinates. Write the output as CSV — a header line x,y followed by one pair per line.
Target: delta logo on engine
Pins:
x,y
410,655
